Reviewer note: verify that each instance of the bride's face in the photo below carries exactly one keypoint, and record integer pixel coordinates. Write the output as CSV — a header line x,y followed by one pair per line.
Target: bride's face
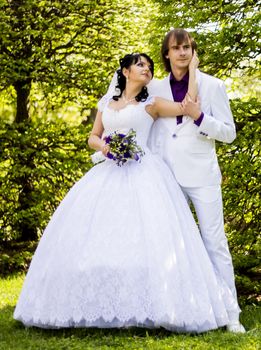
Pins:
x,y
140,71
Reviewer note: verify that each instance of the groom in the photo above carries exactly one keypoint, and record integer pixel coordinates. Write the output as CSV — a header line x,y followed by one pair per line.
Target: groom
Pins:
x,y
188,146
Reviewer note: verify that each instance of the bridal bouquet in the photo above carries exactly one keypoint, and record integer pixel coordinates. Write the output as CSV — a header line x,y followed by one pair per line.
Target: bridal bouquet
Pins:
x,y
123,147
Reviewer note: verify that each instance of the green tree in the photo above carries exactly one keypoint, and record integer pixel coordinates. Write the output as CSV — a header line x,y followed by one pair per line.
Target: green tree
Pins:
x,y
39,162
68,47
227,31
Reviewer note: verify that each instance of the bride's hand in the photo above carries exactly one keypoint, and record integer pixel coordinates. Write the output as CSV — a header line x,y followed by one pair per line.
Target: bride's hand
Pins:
x,y
191,108
193,65
105,149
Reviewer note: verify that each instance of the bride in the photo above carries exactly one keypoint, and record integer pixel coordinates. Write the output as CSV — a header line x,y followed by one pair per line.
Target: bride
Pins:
x,y
122,249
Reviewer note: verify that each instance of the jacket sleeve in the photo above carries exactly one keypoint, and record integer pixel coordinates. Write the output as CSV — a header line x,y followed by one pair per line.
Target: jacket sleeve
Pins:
x,y
218,125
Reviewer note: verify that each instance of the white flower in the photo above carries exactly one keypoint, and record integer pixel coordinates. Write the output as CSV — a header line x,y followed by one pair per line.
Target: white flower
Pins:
x,y
97,157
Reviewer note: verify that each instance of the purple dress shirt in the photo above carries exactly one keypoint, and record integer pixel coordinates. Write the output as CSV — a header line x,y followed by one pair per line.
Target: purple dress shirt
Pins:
x,y
179,89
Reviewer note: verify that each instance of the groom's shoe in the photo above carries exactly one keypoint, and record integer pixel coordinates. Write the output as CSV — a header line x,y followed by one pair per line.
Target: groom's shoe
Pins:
x,y
235,327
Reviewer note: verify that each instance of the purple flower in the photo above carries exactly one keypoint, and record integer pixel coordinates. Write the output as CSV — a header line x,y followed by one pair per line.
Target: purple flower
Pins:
x,y
108,139
121,136
110,156
136,157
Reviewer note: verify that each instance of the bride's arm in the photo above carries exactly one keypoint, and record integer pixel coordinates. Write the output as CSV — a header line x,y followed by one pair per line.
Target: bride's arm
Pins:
x,y
192,85
95,141
191,103
166,108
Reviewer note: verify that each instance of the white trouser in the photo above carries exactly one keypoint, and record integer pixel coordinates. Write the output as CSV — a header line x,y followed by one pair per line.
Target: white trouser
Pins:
x,y
208,205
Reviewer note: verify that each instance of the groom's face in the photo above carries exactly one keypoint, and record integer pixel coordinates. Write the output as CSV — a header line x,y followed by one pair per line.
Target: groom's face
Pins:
x,y
179,54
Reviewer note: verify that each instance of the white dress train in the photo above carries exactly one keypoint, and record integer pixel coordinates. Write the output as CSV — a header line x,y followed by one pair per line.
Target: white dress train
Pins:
x,y
122,249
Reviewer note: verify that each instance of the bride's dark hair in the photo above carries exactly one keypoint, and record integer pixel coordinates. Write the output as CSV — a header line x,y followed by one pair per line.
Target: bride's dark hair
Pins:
x,y
126,62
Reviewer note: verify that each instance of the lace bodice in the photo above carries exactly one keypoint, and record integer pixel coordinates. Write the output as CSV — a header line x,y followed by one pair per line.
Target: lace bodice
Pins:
x,y
130,117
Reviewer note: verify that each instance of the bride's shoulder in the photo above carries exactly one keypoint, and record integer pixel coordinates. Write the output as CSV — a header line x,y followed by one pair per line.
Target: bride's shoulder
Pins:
x,y
103,102
149,101
149,106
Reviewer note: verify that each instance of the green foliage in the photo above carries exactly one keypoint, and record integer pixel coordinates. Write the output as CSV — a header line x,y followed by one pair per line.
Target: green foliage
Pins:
x,y
14,335
227,32
38,165
16,257
69,48
240,165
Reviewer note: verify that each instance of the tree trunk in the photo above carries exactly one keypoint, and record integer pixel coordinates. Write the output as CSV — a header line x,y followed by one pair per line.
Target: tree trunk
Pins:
x,y
22,89
25,226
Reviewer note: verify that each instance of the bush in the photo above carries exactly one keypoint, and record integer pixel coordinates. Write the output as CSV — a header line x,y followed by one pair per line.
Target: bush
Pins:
x,y
38,165
240,165
16,257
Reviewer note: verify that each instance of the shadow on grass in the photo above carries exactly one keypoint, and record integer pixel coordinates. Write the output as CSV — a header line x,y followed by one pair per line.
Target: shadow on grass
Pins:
x,y
14,332
7,321
250,317
6,317
95,333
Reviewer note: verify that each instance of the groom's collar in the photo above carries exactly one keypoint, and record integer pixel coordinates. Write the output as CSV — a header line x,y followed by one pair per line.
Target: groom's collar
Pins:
x,y
185,78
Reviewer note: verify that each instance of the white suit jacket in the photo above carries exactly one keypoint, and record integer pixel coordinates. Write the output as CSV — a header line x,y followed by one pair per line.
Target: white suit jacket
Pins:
x,y
189,150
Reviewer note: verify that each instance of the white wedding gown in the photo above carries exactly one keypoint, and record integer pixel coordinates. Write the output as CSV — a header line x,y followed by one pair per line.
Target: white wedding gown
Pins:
x,y
122,249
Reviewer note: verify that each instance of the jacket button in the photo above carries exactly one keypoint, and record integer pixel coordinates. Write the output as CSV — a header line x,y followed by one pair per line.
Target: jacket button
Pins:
x,y
174,135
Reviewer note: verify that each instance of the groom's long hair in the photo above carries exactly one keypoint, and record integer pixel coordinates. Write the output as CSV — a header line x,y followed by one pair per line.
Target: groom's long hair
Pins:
x,y
180,35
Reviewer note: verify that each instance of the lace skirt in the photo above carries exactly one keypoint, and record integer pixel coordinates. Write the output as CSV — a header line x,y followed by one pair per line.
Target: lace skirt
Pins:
x,y
122,249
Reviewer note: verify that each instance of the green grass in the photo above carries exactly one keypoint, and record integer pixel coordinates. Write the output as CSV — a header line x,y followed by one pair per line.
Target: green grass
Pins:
x,y
14,336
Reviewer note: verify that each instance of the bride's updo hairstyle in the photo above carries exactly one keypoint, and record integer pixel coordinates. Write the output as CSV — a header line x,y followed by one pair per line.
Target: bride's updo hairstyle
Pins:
x,y
126,62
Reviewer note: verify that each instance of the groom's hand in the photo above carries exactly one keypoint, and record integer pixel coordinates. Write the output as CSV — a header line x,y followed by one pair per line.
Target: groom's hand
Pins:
x,y
193,65
191,108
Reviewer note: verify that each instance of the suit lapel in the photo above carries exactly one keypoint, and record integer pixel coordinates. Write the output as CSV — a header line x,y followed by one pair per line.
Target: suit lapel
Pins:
x,y
167,89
